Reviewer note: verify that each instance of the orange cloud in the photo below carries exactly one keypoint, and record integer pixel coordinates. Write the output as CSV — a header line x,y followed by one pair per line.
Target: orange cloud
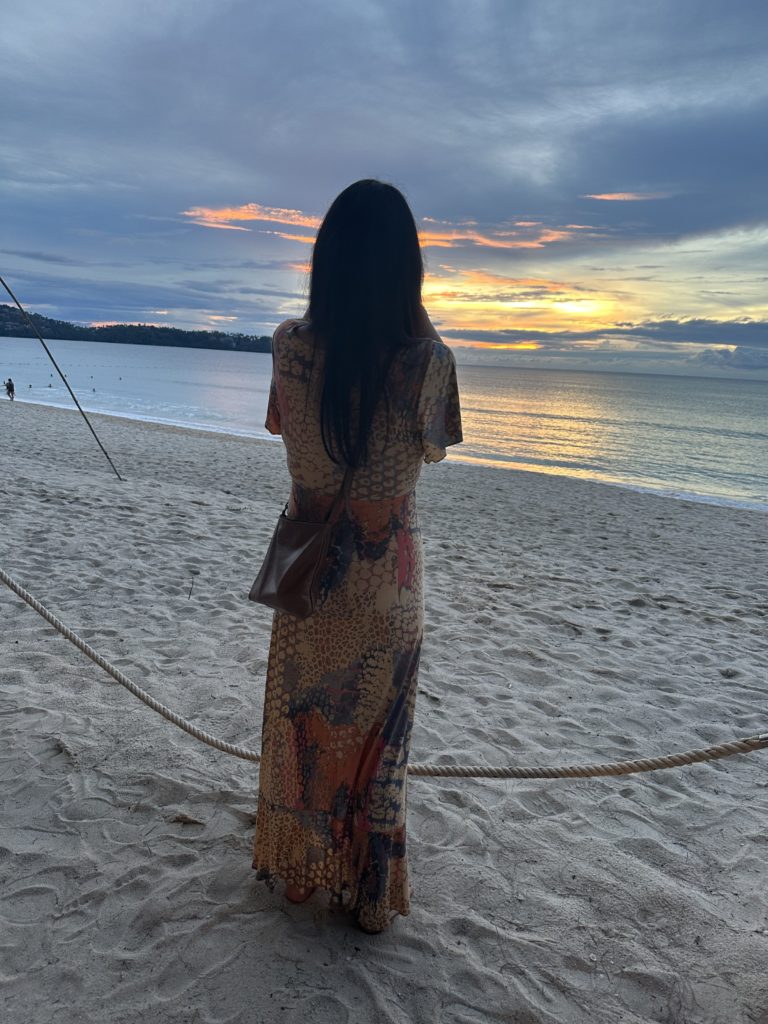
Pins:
x,y
463,232
212,217
292,238
627,196
522,234
221,227
508,346
492,238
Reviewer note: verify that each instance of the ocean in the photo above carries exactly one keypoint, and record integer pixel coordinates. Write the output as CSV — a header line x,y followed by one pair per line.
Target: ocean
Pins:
x,y
698,438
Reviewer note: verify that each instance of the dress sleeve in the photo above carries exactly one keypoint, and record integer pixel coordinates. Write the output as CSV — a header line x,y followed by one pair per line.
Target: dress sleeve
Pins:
x,y
273,422
439,410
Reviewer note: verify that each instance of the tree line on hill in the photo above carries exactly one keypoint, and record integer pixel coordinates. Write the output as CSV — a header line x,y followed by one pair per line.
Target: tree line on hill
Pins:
x,y
12,323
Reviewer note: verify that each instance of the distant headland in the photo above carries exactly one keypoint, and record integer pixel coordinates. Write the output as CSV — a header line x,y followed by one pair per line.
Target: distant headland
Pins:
x,y
13,324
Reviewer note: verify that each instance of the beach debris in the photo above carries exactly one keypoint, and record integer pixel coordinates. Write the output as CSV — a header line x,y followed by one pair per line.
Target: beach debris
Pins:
x,y
186,819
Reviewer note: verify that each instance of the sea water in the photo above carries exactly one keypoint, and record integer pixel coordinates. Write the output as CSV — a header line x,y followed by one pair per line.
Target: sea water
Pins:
x,y
702,438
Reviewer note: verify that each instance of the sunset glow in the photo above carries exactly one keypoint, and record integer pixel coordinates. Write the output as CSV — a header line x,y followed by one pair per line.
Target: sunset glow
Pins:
x,y
460,296
489,301
479,306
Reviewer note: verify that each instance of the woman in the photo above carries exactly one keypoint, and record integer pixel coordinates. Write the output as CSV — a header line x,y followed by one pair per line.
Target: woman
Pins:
x,y
363,381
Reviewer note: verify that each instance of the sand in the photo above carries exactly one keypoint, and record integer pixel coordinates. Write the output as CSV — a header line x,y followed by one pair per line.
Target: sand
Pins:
x,y
567,621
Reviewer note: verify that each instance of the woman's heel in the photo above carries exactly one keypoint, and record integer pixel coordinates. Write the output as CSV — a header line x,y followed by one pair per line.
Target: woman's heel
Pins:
x,y
296,894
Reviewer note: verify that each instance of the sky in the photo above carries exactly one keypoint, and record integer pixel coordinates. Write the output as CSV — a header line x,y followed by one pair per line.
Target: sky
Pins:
x,y
588,176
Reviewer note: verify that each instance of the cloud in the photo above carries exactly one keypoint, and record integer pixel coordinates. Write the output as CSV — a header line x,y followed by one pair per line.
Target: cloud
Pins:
x,y
753,333
488,284
748,333
135,302
548,140
628,196
116,323
223,216
740,358
42,257
533,236
517,235
209,223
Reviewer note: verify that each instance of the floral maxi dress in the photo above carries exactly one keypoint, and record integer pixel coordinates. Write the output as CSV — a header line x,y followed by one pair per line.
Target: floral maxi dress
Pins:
x,y
341,684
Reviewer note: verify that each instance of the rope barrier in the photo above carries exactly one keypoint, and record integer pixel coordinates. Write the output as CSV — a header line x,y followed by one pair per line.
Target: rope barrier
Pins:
x,y
740,746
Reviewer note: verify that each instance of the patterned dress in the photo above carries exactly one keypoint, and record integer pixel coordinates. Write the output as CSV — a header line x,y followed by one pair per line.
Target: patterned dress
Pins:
x,y
341,684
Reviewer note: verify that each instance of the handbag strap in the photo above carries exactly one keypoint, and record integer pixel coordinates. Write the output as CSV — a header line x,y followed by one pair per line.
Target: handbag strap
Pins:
x,y
342,497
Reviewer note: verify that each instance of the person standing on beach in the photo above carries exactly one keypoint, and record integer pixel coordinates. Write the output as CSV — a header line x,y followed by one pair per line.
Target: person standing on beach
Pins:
x,y
362,381
10,389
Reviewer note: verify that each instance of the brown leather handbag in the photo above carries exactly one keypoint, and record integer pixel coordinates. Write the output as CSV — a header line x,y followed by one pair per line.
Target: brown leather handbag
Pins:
x,y
289,580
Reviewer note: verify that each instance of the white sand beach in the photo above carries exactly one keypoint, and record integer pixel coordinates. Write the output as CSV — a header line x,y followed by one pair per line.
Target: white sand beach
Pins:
x,y
567,622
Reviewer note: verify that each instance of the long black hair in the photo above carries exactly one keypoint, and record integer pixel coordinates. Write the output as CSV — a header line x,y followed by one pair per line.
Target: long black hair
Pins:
x,y
364,303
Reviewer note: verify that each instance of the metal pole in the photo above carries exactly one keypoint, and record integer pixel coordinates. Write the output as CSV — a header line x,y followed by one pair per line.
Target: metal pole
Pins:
x,y
69,389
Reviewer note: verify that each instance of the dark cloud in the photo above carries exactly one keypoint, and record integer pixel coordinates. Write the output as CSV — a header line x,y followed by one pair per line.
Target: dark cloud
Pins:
x,y
713,161
42,257
740,358
134,301
747,333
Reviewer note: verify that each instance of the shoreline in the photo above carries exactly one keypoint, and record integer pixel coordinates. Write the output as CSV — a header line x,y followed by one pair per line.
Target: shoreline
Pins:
x,y
454,456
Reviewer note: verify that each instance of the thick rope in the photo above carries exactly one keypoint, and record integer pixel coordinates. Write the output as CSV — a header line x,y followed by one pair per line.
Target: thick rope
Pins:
x,y
650,764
